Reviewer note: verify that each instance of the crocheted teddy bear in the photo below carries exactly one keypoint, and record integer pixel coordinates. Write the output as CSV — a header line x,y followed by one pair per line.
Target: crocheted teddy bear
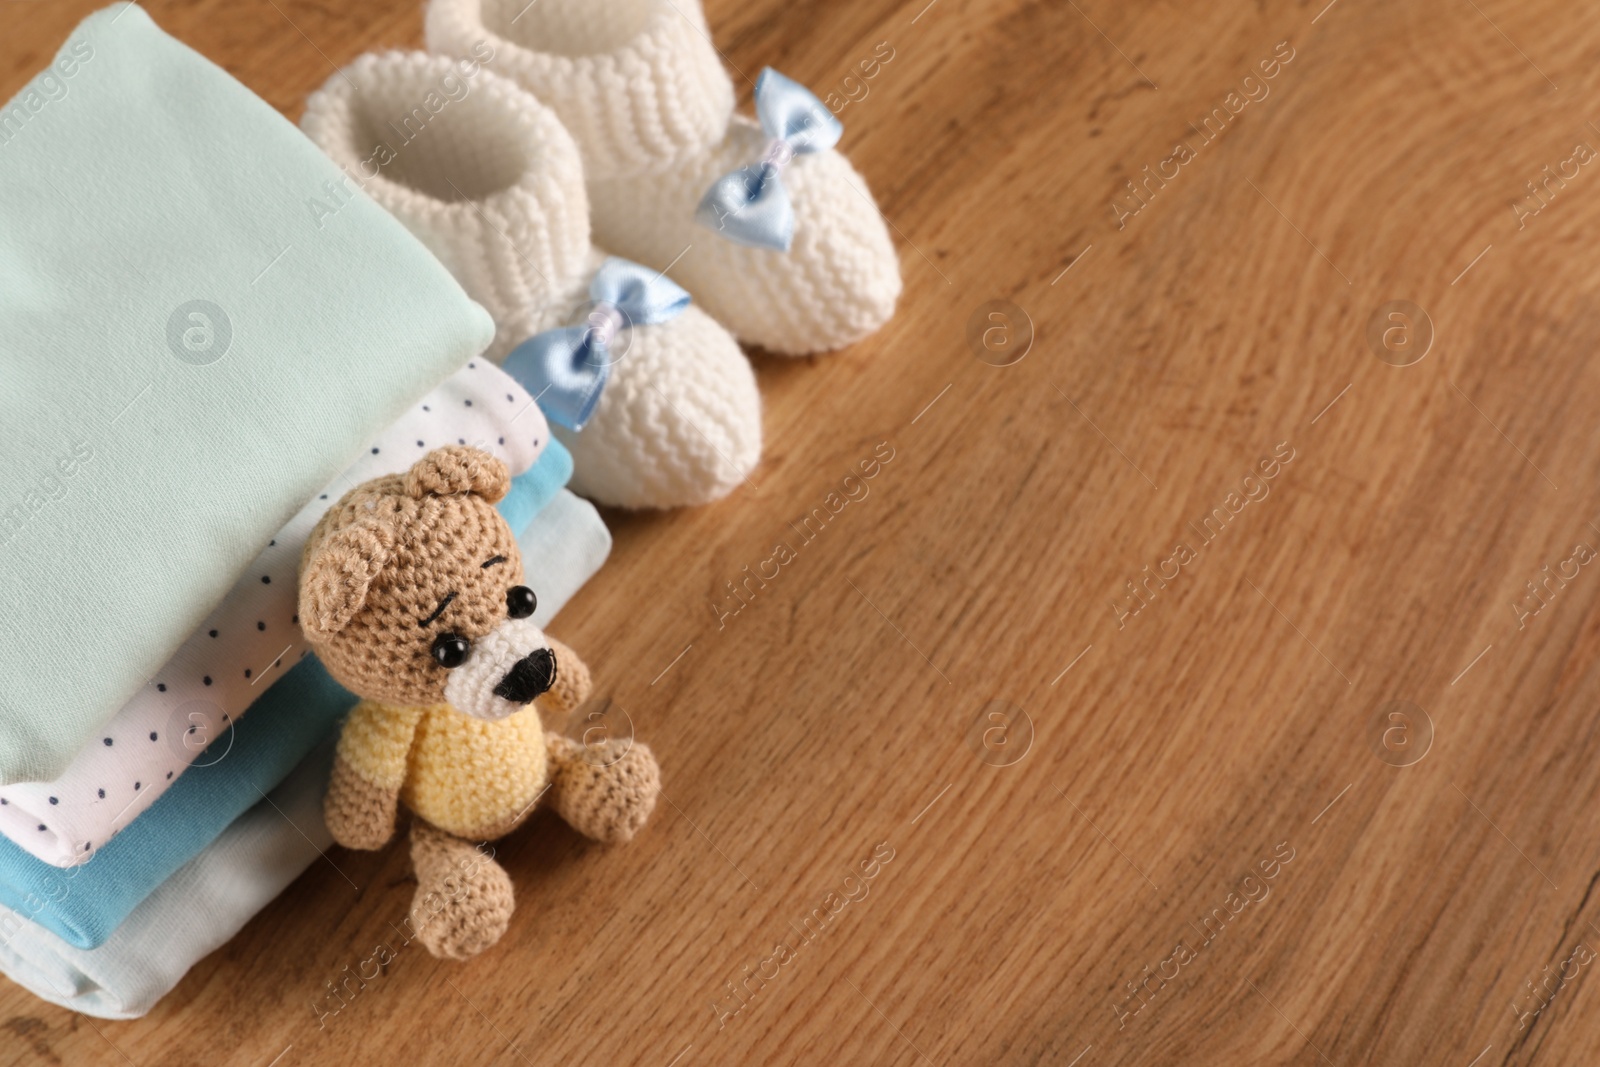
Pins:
x,y
411,593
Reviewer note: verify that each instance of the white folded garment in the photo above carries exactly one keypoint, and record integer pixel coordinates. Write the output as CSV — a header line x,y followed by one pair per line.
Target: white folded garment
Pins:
x,y
249,638
211,898
561,549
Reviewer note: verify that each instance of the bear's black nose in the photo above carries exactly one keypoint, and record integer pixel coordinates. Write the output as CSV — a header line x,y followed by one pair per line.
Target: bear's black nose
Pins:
x,y
533,674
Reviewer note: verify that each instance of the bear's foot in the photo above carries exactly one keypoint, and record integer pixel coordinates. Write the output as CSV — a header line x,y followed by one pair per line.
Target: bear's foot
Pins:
x,y
463,901
604,791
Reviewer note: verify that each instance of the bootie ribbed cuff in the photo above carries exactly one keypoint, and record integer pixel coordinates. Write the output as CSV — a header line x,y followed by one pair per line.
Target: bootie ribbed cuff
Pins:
x,y
489,180
637,82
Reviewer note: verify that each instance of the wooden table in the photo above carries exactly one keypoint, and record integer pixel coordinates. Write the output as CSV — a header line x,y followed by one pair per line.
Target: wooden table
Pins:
x,y
1319,786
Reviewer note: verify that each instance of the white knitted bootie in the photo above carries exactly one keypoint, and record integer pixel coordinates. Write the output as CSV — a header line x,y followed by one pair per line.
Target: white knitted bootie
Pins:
x,y
492,183
639,86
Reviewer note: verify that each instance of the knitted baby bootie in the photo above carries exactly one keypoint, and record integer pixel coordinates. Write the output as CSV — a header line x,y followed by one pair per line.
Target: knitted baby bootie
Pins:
x,y
789,250
654,399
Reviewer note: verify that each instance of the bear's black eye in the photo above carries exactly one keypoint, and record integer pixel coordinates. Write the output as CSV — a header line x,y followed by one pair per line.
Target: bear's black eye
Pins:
x,y
520,602
450,650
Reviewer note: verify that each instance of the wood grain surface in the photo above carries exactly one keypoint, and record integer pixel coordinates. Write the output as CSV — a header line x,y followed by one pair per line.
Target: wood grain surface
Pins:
x,y
1181,821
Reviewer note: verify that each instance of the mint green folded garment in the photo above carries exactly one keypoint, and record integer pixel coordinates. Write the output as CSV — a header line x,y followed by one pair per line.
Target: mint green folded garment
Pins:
x,y
222,886
200,326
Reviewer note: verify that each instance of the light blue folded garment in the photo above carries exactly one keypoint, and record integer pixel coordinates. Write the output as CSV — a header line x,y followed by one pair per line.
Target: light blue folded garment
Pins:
x,y
191,914
536,487
189,351
207,901
83,905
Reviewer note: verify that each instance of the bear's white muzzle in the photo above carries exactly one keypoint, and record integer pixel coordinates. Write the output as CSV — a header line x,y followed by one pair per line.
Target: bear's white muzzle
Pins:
x,y
507,668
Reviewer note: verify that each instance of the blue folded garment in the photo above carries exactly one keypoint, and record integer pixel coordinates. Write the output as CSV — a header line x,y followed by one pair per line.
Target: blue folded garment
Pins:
x,y
188,915
190,350
531,491
83,905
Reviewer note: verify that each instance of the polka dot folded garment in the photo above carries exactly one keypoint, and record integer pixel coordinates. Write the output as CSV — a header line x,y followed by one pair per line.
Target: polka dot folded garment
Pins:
x,y
251,637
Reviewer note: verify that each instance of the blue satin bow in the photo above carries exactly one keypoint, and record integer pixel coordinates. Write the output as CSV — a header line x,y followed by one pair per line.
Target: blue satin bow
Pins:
x,y
750,205
566,368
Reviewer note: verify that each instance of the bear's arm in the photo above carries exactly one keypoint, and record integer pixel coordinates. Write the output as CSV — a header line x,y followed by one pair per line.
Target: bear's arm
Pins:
x,y
364,791
572,684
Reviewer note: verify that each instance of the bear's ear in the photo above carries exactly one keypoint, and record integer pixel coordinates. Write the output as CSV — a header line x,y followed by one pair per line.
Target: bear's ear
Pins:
x,y
335,579
458,469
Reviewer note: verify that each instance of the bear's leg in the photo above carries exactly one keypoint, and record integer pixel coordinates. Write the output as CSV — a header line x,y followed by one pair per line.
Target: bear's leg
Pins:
x,y
604,791
463,901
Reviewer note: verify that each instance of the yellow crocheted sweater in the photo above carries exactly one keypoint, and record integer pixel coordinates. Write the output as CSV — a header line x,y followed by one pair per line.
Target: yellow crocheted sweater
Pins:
x,y
466,776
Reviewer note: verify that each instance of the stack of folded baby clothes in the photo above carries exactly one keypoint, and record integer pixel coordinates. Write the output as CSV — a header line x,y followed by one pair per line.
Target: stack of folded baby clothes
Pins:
x,y
198,367
213,327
